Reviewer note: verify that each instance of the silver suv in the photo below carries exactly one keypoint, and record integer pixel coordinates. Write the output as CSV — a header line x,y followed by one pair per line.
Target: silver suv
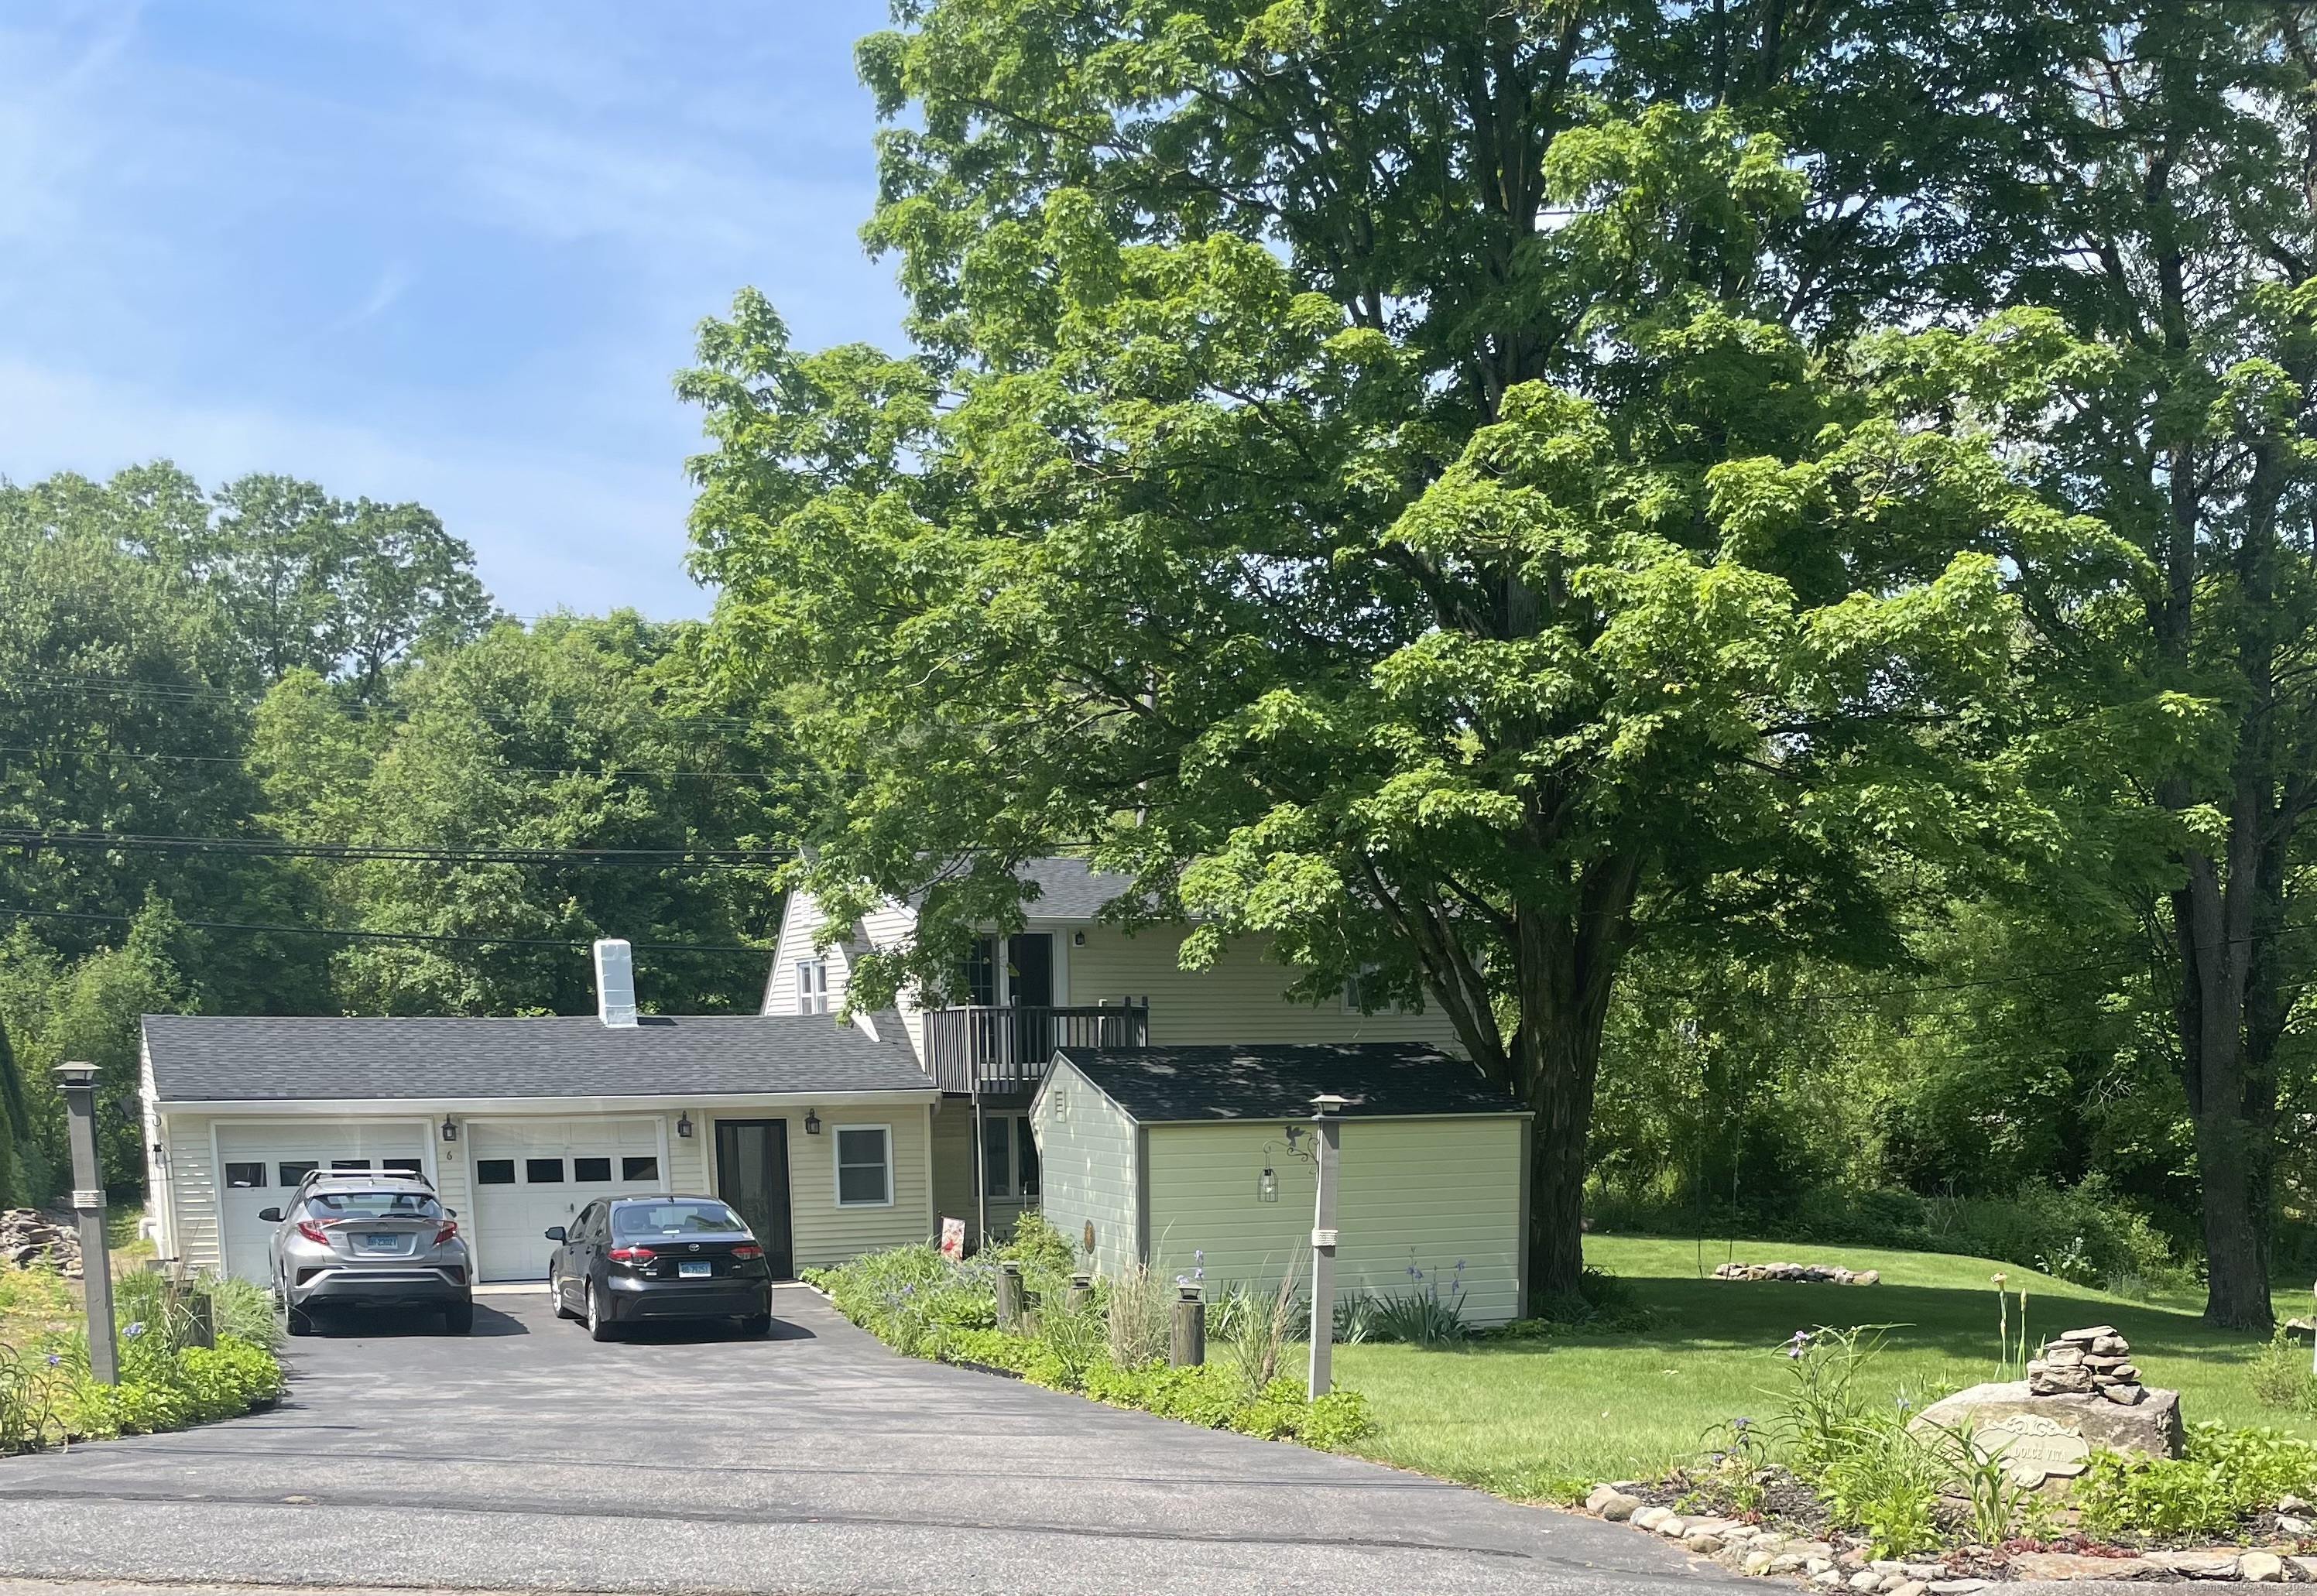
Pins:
x,y
356,1238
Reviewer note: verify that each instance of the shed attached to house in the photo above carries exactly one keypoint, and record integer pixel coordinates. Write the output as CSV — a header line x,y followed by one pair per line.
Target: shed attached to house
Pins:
x,y
818,1133
1201,1157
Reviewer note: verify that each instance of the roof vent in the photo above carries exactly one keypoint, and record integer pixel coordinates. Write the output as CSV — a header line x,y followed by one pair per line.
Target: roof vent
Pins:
x,y
615,982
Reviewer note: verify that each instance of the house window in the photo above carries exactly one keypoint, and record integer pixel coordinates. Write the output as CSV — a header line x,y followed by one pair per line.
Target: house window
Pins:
x,y
997,1168
294,1170
591,1169
244,1174
640,1169
494,1172
812,986
1009,1158
542,1171
865,1166
1025,1159
1361,998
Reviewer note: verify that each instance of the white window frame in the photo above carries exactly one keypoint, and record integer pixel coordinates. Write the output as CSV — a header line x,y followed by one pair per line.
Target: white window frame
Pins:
x,y
836,1165
812,986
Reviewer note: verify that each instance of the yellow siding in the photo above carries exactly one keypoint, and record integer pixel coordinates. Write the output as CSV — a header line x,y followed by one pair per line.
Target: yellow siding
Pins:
x,y
1086,1167
1241,1000
1411,1192
826,1234
953,1162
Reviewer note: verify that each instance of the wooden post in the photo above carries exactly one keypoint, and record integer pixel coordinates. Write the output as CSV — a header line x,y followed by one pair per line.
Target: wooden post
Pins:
x,y
1009,1296
78,1082
1187,1347
201,1318
1081,1291
1328,1146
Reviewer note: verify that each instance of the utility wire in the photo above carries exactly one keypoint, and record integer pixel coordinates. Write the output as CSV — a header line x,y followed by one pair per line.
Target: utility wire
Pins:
x,y
391,936
574,769
278,848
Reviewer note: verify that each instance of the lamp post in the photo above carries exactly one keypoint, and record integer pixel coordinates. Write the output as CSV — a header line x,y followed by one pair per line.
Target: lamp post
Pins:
x,y
1327,1145
78,1082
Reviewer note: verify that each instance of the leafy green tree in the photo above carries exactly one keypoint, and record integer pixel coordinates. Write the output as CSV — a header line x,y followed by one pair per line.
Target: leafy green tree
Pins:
x,y
576,734
1377,496
2159,210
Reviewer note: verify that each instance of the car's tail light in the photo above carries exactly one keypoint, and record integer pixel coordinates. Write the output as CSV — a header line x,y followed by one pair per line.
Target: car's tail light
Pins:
x,y
450,1228
748,1250
631,1254
312,1232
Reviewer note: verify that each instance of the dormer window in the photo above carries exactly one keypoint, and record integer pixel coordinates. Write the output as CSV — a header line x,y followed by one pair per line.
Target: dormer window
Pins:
x,y
812,986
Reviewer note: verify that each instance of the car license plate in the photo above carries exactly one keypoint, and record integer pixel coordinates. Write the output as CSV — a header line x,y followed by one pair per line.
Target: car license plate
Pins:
x,y
382,1241
693,1271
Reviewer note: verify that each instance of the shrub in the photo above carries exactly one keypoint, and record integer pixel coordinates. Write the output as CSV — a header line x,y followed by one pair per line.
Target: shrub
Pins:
x,y
2224,1475
1263,1333
2282,1378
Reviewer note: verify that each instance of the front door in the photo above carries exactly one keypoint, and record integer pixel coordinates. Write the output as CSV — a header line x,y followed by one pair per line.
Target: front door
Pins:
x,y
752,1175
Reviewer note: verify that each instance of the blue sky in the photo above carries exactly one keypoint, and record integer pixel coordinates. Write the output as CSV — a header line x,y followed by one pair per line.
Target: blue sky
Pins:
x,y
450,252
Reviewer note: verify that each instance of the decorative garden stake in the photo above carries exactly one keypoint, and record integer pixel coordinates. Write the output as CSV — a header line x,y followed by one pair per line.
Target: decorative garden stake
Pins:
x,y
1327,1148
78,1082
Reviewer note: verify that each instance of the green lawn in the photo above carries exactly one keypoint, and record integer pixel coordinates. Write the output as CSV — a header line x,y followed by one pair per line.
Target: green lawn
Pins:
x,y
1527,1418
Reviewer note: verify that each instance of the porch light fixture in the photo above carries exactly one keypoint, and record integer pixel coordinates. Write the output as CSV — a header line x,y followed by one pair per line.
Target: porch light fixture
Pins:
x,y
684,1124
811,1123
1266,1188
450,1129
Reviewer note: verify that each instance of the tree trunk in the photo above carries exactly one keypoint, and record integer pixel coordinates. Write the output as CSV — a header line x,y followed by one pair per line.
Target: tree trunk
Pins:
x,y
1562,1092
1569,964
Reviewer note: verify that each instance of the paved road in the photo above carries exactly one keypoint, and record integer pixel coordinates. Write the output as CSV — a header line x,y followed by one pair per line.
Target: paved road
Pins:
x,y
527,1456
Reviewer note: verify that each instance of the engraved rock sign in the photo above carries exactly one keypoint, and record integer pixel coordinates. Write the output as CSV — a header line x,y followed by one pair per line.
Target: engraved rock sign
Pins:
x,y
2034,1447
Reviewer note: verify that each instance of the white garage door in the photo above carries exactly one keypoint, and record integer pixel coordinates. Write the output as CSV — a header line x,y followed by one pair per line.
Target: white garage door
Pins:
x,y
530,1174
259,1166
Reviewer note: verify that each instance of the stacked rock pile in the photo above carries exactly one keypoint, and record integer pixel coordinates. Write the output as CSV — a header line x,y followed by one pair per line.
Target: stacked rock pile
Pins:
x,y
2086,1363
1821,1272
29,1237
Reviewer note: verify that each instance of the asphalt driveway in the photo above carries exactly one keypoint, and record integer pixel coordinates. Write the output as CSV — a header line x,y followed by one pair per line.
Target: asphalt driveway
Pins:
x,y
526,1456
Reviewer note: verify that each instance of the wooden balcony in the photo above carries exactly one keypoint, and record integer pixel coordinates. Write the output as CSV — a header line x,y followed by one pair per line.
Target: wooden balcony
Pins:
x,y
1004,1051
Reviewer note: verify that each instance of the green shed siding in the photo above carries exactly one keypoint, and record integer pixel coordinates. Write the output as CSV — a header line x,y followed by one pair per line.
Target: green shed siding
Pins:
x,y
1086,1167
1421,1192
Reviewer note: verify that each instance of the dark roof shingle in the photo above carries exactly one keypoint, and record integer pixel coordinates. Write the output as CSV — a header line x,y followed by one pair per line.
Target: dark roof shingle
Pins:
x,y
1157,1086
241,1058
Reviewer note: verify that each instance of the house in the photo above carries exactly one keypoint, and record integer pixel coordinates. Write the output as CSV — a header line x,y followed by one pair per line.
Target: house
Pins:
x,y
1066,979
1200,1157
818,1134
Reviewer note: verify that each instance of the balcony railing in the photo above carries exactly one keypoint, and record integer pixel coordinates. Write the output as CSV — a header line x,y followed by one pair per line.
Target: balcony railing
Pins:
x,y
1004,1051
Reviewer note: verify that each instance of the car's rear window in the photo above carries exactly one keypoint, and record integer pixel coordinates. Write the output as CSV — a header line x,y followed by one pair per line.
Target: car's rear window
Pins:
x,y
673,1218
374,1205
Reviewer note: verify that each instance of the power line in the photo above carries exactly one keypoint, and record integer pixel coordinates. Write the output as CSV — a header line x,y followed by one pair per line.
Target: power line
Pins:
x,y
390,936
278,848
236,759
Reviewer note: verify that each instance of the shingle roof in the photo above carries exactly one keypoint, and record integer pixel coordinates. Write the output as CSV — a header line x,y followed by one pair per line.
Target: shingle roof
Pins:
x,y
220,1057
1156,1086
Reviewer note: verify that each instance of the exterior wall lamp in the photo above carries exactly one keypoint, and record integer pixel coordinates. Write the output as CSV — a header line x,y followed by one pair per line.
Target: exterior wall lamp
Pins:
x,y
450,1129
811,1122
683,1124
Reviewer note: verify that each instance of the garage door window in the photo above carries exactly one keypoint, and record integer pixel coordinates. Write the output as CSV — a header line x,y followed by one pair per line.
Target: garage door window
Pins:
x,y
640,1169
408,1166
244,1174
292,1173
864,1166
542,1171
349,1163
591,1169
494,1172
